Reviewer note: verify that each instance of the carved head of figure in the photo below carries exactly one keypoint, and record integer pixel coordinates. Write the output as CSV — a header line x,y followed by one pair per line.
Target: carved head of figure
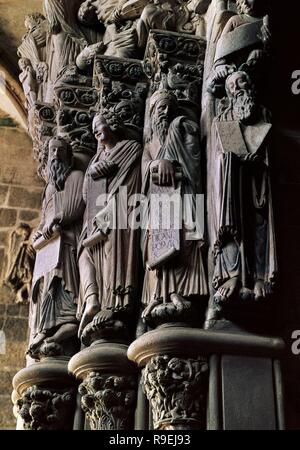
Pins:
x,y
60,162
87,13
163,107
240,91
103,133
24,63
33,20
255,8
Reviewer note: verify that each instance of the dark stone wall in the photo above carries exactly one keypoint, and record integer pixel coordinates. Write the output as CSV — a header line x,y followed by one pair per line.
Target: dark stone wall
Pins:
x,y
286,188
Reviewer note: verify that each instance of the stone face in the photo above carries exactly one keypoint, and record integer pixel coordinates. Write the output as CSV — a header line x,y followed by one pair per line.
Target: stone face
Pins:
x,y
24,198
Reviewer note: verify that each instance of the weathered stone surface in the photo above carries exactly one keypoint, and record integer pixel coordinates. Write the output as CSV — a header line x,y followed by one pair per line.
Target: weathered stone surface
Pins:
x,y
13,310
8,217
6,295
4,238
24,198
3,194
16,329
7,419
28,216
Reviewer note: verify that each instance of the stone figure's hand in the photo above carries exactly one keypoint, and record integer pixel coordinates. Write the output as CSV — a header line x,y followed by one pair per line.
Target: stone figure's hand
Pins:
x,y
222,72
166,173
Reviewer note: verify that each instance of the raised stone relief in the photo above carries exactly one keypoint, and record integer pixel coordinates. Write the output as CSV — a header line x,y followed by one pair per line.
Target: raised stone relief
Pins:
x,y
109,401
46,409
108,253
56,278
241,199
176,389
21,263
172,252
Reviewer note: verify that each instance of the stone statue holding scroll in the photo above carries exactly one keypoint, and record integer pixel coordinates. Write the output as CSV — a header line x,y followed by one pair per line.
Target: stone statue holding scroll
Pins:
x,y
172,253
108,254
56,279
240,200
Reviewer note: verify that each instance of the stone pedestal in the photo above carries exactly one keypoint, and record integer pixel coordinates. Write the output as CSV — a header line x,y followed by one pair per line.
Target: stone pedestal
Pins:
x,y
44,396
108,385
236,375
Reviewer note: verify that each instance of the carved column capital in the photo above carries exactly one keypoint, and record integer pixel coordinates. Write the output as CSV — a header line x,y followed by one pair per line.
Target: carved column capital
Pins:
x,y
176,389
108,386
44,396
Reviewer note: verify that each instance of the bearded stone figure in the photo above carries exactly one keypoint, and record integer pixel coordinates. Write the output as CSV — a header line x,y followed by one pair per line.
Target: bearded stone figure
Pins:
x,y
109,248
239,199
172,253
56,279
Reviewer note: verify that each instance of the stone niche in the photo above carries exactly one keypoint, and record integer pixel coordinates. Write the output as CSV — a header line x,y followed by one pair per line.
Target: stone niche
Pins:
x,y
20,197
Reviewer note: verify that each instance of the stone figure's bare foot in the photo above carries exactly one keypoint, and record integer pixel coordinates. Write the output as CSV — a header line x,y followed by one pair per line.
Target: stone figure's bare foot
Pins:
x,y
148,310
37,341
66,331
180,303
92,307
259,290
102,317
227,290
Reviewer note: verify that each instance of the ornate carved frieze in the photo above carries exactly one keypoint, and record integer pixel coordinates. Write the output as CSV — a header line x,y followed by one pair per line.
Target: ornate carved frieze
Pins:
x,y
176,389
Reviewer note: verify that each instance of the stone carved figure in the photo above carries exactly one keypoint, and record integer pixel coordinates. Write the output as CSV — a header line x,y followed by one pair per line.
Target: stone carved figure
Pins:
x,y
21,263
171,165
109,246
119,38
28,79
56,277
33,48
240,200
244,39
65,41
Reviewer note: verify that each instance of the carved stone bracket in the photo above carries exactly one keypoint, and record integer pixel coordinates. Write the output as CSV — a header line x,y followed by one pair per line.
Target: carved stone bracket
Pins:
x,y
175,61
108,386
123,90
44,396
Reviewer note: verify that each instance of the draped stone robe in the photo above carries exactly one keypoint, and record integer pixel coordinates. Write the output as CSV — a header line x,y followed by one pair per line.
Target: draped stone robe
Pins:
x,y
55,293
240,204
184,274
109,268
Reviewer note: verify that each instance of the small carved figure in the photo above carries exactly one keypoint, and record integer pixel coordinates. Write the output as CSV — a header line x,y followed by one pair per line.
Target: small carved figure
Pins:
x,y
21,263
